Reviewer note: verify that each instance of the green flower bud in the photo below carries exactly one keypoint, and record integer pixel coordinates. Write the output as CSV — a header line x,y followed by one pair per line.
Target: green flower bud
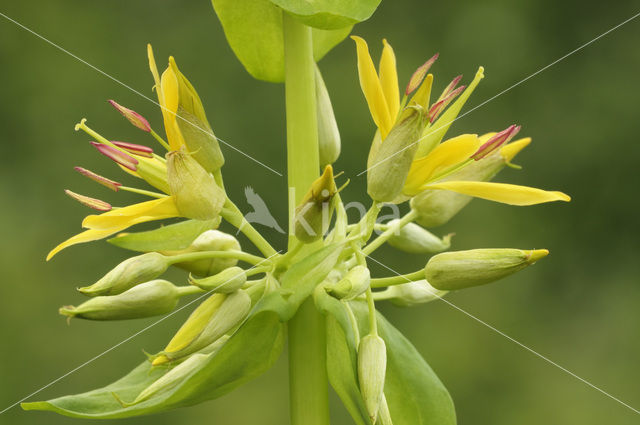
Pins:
x,y
211,240
436,207
390,164
215,346
463,269
131,272
384,416
169,380
225,282
328,133
414,239
354,283
372,366
313,214
216,316
194,190
145,300
412,293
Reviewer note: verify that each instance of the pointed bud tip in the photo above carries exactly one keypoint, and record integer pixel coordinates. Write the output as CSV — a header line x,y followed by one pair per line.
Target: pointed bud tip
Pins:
x,y
536,254
512,149
67,310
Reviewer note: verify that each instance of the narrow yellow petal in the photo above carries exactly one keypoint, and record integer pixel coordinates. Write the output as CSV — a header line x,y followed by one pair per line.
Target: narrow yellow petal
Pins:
x,y
509,151
423,95
86,236
156,209
444,156
389,80
169,102
372,89
154,69
502,192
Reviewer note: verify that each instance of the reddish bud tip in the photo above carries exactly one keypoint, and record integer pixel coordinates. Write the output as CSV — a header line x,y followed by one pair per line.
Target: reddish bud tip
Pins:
x,y
96,204
116,155
495,142
437,108
98,178
135,149
133,117
419,74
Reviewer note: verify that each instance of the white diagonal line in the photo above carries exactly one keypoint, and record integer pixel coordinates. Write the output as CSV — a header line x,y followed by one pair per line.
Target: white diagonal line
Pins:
x,y
532,351
62,49
131,337
506,90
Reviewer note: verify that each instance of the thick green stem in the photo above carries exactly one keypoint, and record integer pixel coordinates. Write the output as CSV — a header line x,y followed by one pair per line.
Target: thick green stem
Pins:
x,y
377,242
309,404
205,255
234,216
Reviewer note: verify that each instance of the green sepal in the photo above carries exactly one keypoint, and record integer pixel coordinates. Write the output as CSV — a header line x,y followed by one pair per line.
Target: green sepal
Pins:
x,y
329,14
166,238
253,29
247,354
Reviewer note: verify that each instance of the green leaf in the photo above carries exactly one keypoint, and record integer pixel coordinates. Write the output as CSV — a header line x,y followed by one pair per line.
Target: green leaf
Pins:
x,y
342,355
329,14
415,394
248,353
254,31
166,238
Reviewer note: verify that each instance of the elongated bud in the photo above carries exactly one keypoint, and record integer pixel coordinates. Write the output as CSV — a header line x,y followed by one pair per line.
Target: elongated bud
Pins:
x,y
390,166
495,142
463,269
131,272
419,74
211,320
436,207
93,203
313,214
194,126
225,282
354,283
135,149
372,366
437,108
134,118
211,240
145,300
415,239
117,156
412,293
169,380
113,185
328,133
195,191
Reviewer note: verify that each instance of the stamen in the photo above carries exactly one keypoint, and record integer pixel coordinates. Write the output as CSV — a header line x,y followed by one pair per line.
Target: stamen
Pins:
x,y
134,118
93,203
134,148
419,74
116,155
452,85
439,106
495,142
113,185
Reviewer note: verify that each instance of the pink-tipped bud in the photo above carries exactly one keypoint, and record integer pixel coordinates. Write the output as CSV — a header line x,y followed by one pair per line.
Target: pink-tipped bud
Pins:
x,y
96,204
133,117
135,149
495,142
116,155
437,108
418,76
99,179
452,85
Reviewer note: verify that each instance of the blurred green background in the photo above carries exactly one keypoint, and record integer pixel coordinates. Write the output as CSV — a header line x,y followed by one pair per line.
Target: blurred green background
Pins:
x,y
579,307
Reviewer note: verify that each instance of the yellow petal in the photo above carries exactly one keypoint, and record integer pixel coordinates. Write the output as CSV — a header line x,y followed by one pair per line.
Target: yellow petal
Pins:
x,y
509,151
372,88
154,69
444,156
86,236
422,96
122,218
502,192
169,102
389,80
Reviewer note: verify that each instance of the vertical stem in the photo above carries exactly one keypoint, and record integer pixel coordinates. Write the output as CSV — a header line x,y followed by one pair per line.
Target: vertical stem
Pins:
x,y
308,397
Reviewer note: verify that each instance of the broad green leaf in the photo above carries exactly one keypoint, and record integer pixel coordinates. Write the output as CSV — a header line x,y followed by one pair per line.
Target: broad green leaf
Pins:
x,y
415,395
329,14
166,238
254,31
342,355
248,353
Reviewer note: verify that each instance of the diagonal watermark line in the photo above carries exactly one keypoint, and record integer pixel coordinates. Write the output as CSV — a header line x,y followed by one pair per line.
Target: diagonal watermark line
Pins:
x,y
532,351
505,91
62,49
91,360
